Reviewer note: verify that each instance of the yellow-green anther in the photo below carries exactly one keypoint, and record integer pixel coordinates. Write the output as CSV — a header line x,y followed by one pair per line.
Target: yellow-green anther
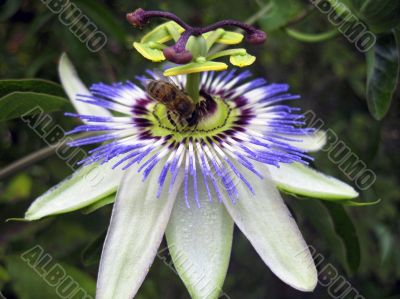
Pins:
x,y
173,30
230,52
155,45
147,51
195,67
242,60
161,34
228,38
213,37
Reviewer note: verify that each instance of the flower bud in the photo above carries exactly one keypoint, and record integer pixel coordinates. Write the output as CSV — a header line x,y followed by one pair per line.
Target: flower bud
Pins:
x,y
137,18
256,37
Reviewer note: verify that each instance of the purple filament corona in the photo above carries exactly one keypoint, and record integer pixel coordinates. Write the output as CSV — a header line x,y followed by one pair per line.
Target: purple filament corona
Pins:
x,y
262,130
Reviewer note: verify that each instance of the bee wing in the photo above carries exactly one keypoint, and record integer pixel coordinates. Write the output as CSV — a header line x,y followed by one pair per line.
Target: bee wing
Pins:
x,y
158,75
173,79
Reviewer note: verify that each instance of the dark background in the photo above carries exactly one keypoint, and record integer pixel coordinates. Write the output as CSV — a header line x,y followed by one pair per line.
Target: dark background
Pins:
x,y
330,75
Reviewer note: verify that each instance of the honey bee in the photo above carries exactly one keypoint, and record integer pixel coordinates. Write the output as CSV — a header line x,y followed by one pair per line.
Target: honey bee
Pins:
x,y
175,99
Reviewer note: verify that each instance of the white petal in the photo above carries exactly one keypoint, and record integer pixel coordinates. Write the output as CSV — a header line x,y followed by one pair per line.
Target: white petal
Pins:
x,y
300,179
74,86
86,186
309,143
267,223
200,241
138,223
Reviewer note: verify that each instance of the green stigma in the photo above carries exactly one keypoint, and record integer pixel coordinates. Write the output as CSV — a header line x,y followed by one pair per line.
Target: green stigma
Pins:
x,y
194,50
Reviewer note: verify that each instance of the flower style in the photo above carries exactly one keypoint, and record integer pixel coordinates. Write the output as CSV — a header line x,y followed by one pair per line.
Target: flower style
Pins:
x,y
193,178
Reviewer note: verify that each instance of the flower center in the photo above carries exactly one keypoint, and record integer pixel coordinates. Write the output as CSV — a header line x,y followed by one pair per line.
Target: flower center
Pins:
x,y
212,116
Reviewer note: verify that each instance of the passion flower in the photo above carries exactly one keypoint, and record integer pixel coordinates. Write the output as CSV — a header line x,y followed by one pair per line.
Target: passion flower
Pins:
x,y
192,179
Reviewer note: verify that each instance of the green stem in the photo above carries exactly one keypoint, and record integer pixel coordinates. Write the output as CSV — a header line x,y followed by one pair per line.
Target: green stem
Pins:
x,y
198,47
312,38
192,86
37,156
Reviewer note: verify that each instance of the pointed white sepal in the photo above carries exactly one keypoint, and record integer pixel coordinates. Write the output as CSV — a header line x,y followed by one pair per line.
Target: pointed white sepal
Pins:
x,y
309,143
302,180
74,86
267,223
86,186
137,226
199,241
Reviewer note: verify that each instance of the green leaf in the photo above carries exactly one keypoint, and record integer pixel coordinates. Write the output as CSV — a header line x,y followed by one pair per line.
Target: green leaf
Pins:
x,y
4,277
305,211
92,253
380,16
382,75
30,282
102,17
280,13
30,85
9,8
16,104
346,230
299,179
201,265
386,242
19,188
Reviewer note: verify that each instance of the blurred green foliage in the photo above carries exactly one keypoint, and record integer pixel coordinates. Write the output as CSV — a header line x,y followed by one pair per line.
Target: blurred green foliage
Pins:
x,y
330,76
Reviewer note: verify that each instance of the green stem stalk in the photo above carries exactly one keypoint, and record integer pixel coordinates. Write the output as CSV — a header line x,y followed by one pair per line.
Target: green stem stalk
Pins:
x,y
37,156
312,38
192,86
